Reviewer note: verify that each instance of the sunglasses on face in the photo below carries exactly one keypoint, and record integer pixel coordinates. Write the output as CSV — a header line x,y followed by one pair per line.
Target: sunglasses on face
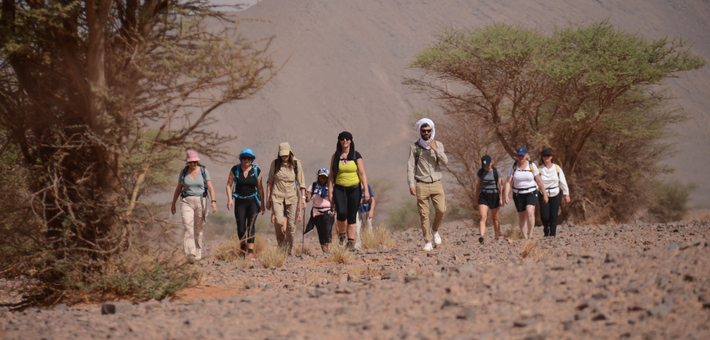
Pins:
x,y
190,163
426,130
545,156
245,157
343,139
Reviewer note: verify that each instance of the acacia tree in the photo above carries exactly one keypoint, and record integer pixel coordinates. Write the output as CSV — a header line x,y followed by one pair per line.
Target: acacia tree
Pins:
x,y
95,95
588,92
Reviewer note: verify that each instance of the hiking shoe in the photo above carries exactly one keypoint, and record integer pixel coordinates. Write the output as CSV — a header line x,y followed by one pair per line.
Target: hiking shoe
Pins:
x,y
437,238
342,238
481,240
252,257
191,259
428,246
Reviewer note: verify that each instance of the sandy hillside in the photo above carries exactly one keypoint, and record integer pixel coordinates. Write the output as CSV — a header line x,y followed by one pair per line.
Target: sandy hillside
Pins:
x,y
346,60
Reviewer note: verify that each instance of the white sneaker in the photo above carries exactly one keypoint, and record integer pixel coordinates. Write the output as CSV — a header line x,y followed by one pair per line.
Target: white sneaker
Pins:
x,y
428,247
437,238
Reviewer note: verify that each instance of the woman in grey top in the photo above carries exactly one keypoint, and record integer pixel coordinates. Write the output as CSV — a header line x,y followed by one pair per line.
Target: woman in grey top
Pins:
x,y
193,185
490,182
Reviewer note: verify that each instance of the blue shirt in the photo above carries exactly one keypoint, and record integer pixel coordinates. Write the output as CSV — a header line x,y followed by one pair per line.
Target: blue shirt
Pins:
x,y
365,207
195,187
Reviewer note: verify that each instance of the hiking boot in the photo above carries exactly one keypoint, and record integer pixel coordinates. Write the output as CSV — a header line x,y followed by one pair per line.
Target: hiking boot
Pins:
x,y
481,240
252,257
437,238
351,246
428,246
191,259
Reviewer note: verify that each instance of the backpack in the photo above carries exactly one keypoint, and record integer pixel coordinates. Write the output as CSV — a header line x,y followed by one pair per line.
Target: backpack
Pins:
x,y
183,173
237,171
418,152
495,177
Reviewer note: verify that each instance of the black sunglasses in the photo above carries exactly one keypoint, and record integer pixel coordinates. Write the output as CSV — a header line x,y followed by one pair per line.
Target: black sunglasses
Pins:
x,y
343,138
426,130
191,162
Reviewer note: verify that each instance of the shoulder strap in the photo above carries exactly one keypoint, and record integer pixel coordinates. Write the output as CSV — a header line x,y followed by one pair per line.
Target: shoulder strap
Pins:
x,y
183,172
495,176
417,153
531,168
295,172
256,171
515,166
558,171
204,180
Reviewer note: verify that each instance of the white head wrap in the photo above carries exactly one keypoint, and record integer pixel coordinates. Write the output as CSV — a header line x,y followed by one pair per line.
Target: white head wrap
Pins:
x,y
422,142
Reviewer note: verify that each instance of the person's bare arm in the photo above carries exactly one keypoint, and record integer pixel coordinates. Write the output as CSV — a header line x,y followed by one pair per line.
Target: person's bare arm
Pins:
x,y
178,189
538,179
372,207
363,177
228,188
260,187
210,189
331,180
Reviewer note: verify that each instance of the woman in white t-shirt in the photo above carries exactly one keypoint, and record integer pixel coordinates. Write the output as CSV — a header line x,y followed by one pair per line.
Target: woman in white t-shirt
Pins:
x,y
321,213
554,179
523,178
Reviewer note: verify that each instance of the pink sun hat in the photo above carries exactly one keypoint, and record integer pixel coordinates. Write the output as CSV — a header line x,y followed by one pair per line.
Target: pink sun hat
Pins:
x,y
192,156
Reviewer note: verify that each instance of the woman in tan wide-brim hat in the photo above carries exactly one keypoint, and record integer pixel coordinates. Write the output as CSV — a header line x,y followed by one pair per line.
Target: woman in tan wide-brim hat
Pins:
x,y
193,186
285,192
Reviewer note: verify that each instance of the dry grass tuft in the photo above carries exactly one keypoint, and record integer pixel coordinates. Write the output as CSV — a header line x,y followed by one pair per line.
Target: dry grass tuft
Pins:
x,y
229,251
244,262
271,257
259,243
299,251
378,235
532,250
365,271
512,232
340,254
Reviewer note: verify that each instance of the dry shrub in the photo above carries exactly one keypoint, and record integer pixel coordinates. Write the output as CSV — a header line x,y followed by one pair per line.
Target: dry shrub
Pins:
x,y
151,275
512,232
340,253
244,262
373,238
271,257
229,251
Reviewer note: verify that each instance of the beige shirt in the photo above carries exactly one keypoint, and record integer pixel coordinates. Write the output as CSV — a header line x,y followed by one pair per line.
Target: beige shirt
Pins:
x,y
284,180
429,169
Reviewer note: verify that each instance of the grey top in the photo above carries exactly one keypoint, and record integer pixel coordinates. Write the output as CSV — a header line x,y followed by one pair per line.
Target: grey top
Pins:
x,y
195,187
488,182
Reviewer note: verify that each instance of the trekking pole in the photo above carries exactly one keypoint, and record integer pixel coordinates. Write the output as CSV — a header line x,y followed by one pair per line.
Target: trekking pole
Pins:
x,y
303,231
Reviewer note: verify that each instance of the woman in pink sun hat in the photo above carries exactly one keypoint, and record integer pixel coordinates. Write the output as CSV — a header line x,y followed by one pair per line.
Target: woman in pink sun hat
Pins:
x,y
193,186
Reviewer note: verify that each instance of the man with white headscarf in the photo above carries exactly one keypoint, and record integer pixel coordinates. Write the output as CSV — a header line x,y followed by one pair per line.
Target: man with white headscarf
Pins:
x,y
426,156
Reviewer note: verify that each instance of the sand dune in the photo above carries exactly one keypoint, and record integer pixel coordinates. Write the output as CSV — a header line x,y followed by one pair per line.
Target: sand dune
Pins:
x,y
344,61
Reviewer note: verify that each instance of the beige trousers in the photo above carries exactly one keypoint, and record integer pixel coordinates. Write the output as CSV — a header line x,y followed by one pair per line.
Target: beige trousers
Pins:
x,y
290,206
193,217
362,222
435,191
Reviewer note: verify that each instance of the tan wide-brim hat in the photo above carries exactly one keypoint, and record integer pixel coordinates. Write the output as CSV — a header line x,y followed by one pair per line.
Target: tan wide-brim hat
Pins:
x,y
284,149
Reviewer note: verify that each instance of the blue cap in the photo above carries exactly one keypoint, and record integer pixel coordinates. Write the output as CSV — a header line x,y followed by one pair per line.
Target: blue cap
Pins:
x,y
247,152
522,151
323,171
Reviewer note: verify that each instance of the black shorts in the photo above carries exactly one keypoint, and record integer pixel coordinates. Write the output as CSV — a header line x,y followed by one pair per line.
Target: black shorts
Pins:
x,y
491,199
523,200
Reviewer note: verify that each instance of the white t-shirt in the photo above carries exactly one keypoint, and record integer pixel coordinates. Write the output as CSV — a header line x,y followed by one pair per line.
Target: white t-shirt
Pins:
x,y
552,183
318,202
523,181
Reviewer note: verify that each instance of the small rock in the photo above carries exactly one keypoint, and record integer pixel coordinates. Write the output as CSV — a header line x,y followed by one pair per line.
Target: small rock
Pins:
x,y
467,268
116,308
250,284
390,276
382,248
353,277
410,278
342,310
685,246
662,309
674,245
411,272
343,279
440,262
59,308
466,313
509,241
448,303
520,323
269,286
152,305
344,290
601,317
632,290
704,299
527,313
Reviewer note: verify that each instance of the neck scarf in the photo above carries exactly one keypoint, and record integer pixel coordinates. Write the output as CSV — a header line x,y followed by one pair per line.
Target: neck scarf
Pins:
x,y
320,190
422,142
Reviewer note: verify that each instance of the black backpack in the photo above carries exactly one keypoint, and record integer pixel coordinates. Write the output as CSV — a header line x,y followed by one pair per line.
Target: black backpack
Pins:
x,y
183,173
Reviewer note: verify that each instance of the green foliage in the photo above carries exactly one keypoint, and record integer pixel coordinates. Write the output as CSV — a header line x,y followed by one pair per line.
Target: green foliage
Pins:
x,y
671,201
590,93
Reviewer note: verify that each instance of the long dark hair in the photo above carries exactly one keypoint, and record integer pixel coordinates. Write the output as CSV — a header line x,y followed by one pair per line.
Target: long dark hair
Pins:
x,y
290,161
351,153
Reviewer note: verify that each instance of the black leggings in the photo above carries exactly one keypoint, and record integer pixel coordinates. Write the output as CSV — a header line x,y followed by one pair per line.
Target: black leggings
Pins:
x,y
347,200
245,211
324,225
548,214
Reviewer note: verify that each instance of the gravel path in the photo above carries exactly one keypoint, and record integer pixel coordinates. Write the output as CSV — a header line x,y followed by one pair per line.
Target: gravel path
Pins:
x,y
615,281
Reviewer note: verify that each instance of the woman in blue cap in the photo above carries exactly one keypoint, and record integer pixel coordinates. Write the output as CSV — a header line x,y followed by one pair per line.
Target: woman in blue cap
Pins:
x,y
523,175
246,193
322,213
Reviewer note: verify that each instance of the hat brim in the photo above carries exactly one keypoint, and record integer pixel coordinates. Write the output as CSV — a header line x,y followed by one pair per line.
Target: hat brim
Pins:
x,y
193,159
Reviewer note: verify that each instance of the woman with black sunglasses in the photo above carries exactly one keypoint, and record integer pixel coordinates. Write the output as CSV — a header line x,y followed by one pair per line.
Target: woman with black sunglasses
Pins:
x,y
244,184
346,173
193,186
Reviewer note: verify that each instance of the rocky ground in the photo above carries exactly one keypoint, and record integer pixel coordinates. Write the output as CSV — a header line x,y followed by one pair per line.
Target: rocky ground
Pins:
x,y
636,281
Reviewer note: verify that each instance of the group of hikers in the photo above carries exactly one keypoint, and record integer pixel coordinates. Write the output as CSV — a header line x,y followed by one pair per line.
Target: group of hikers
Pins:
x,y
342,193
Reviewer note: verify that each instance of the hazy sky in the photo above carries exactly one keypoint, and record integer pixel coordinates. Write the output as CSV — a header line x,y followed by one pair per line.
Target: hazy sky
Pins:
x,y
247,3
